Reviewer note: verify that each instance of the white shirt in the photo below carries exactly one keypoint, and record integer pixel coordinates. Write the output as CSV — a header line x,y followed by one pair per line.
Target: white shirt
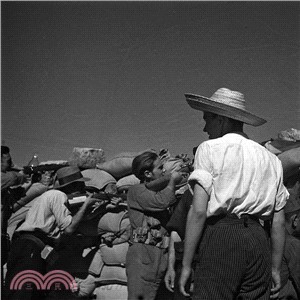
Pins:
x,y
48,214
240,176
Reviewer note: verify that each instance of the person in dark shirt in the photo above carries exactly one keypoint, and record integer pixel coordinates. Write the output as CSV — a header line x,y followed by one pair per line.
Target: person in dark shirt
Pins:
x,y
146,260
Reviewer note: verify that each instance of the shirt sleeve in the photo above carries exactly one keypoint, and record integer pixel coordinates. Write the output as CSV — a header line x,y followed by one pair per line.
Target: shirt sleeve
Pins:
x,y
282,192
202,173
148,200
62,215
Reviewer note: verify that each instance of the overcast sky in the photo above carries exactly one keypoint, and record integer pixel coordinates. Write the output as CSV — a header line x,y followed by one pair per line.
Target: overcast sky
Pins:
x,y
112,75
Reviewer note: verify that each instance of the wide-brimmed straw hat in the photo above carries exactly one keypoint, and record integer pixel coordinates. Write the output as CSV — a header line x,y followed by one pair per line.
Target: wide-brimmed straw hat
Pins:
x,y
226,103
68,175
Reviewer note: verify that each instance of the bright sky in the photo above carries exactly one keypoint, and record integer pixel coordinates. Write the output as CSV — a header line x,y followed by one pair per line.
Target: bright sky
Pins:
x,y
112,75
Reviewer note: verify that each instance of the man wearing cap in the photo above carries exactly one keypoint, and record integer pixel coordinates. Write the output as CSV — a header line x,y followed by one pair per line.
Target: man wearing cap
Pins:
x,y
236,183
47,221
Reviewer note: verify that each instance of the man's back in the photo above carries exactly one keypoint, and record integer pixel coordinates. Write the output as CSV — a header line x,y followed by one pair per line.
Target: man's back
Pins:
x,y
48,214
241,176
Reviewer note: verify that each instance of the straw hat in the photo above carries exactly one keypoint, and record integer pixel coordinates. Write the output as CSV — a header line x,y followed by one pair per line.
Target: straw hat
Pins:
x,y
226,103
68,175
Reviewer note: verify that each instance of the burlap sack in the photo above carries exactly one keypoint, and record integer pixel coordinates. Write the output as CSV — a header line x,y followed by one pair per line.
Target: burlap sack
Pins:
x,y
113,222
98,178
114,255
121,165
111,292
112,275
124,183
86,158
290,160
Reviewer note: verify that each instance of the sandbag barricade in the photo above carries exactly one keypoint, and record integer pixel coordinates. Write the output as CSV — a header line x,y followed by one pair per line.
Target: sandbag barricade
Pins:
x,y
108,264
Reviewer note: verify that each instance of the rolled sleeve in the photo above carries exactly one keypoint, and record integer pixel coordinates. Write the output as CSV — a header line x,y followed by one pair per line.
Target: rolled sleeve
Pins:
x,y
282,192
202,177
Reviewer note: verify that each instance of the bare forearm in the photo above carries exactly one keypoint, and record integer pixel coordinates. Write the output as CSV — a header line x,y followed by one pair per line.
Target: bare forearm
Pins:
x,y
172,256
277,239
194,229
77,219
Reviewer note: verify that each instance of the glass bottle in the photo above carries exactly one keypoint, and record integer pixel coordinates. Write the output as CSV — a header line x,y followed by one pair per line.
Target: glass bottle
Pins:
x,y
34,161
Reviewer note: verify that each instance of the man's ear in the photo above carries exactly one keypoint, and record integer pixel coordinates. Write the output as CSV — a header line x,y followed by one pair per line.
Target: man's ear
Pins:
x,y
147,174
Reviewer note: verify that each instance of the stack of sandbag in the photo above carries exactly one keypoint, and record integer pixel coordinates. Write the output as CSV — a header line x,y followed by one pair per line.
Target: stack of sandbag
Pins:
x,y
287,147
108,264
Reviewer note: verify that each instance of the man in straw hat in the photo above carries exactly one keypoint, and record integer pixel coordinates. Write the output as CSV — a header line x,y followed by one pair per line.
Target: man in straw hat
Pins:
x,y
47,221
236,183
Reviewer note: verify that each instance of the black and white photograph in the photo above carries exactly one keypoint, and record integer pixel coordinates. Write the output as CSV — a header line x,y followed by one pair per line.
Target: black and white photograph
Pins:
x,y
150,150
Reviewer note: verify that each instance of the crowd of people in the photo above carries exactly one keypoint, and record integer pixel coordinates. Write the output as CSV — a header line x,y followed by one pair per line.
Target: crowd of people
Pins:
x,y
227,227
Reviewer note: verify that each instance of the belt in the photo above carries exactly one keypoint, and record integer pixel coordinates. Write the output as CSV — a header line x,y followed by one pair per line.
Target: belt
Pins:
x,y
245,218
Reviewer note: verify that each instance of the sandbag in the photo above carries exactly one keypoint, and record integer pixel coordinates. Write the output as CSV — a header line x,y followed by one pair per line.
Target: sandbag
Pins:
x,y
290,160
121,165
113,222
98,178
122,236
278,146
290,134
115,255
126,182
111,275
86,158
111,292
286,140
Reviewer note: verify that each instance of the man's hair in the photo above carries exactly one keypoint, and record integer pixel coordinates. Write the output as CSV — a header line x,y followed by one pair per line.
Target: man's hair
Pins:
x,y
143,162
4,150
236,123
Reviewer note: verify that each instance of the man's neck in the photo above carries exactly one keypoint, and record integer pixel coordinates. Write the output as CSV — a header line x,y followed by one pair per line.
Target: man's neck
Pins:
x,y
241,133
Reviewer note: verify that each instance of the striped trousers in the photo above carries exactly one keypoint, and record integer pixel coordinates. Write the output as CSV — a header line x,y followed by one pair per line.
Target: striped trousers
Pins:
x,y
234,260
